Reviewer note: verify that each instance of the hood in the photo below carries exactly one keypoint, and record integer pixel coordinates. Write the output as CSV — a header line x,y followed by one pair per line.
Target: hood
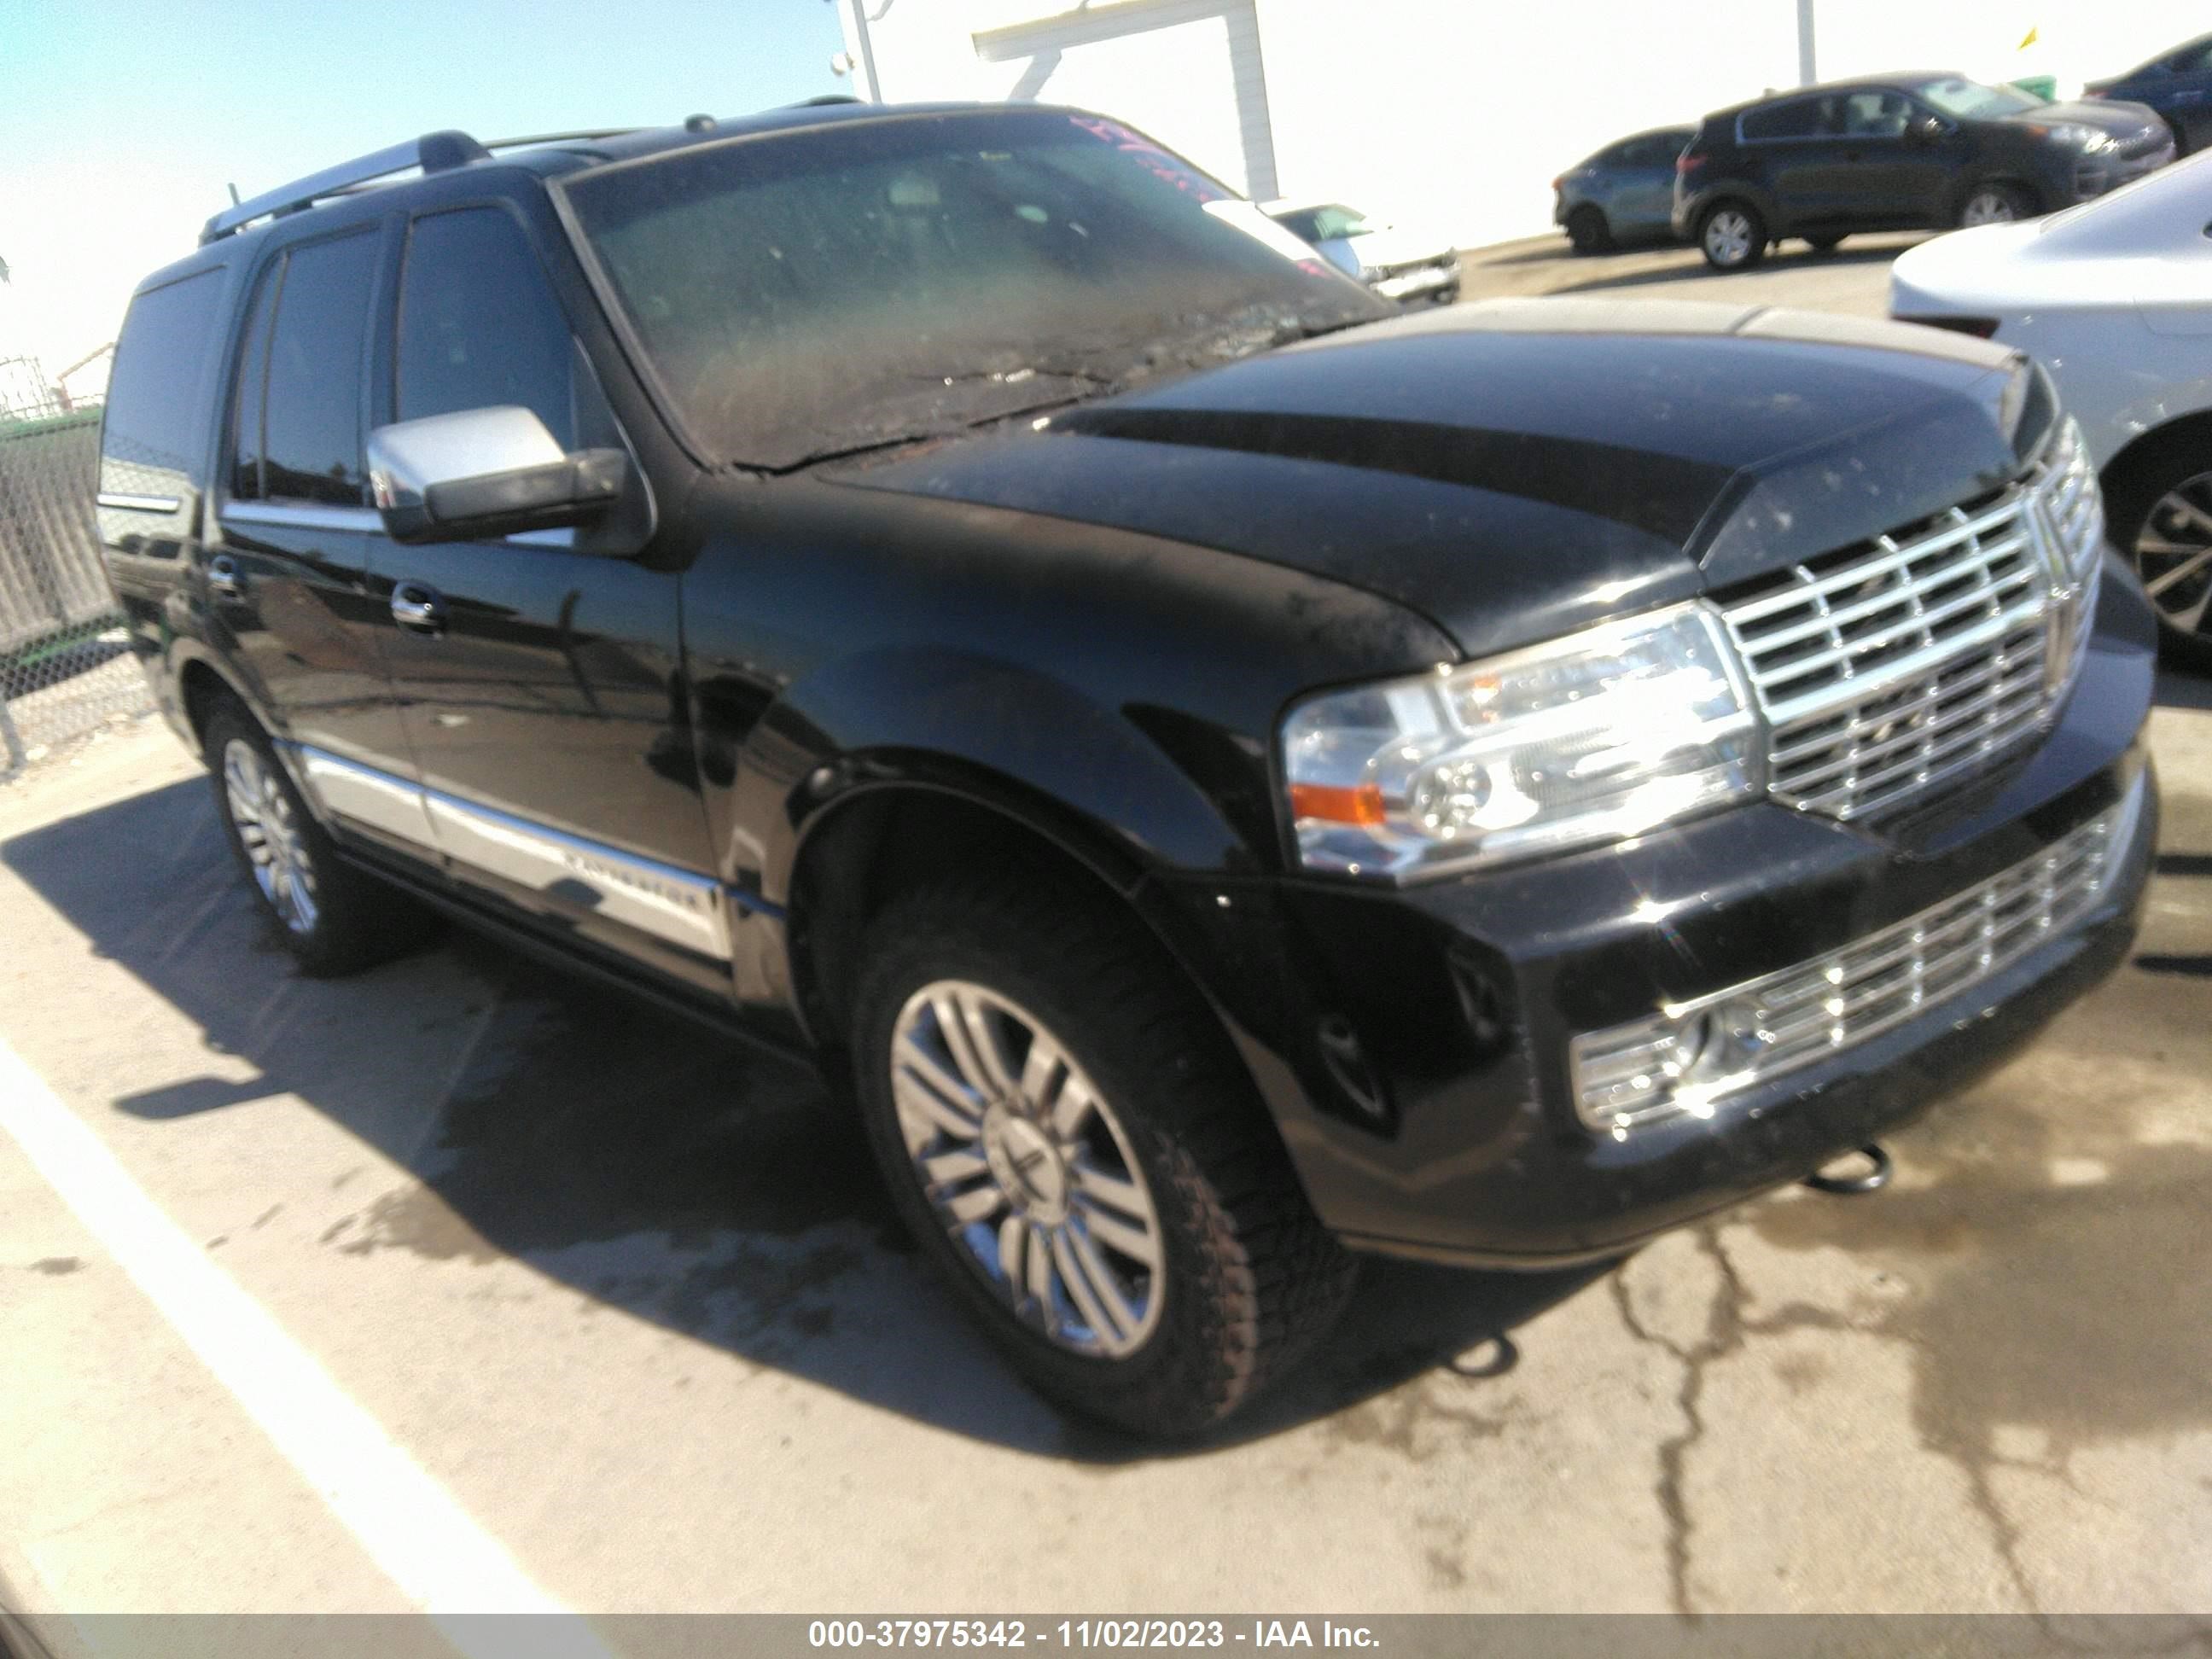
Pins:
x,y
1517,468
2122,121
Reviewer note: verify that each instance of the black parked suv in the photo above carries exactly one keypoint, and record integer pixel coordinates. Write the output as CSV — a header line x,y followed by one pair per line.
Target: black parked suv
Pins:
x,y
1232,776
2176,84
1898,152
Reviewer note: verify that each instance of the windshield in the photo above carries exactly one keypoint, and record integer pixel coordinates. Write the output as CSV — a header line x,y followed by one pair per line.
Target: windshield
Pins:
x,y
1324,224
1969,100
808,293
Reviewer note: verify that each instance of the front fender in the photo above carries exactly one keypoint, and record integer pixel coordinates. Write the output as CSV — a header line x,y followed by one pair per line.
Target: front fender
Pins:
x,y
1127,789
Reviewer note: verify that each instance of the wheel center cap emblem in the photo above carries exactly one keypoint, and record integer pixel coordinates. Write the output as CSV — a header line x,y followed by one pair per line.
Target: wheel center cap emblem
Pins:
x,y
1026,1165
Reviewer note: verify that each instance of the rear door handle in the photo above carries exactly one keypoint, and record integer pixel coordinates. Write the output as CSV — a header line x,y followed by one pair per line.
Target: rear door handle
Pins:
x,y
222,577
418,609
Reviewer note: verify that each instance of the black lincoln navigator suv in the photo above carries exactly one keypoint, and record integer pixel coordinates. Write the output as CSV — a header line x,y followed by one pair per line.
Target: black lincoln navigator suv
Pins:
x,y
1232,776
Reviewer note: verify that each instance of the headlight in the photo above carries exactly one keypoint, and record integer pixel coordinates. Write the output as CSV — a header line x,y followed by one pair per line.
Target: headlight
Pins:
x,y
2089,140
1593,737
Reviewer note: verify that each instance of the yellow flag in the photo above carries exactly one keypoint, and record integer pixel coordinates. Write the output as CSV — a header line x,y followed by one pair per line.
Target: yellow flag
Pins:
x,y
2029,40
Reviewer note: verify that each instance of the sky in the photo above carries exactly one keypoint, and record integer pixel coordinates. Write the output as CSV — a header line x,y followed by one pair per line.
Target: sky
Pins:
x,y
122,121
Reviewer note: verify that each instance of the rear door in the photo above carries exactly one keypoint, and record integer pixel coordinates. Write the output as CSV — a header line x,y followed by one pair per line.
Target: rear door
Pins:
x,y
544,702
1796,147
286,572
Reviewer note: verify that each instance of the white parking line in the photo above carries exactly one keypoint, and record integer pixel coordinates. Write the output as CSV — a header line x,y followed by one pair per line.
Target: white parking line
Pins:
x,y
409,1525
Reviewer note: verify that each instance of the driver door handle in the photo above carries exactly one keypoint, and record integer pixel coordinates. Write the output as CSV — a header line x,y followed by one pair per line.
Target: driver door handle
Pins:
x,y
418,609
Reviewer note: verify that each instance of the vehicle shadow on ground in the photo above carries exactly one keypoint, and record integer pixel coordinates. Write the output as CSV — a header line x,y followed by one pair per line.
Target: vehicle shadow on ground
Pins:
x,y
632,1157
1694,266
1560,252
2180,688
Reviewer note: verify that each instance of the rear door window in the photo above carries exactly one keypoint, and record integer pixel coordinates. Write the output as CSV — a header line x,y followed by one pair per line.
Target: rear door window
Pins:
x,y
311,439
1798,117
157,436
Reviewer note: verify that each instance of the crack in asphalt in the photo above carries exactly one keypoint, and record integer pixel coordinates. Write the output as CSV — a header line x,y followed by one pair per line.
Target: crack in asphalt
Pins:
x,y
1675,1450
1728,1330
2003,1532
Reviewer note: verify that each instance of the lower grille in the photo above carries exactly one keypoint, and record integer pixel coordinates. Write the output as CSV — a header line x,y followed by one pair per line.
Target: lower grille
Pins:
x,y
1686,1056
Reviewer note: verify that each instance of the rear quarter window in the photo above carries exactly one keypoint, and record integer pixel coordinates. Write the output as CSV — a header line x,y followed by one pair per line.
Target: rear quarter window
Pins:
x,y
155,433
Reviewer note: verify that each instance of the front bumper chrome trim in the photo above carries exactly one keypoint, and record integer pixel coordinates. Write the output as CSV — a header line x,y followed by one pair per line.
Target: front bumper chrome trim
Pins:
x,y
1689,1055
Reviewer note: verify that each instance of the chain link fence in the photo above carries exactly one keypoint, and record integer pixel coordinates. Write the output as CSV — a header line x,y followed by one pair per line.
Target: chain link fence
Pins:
x,y
64,669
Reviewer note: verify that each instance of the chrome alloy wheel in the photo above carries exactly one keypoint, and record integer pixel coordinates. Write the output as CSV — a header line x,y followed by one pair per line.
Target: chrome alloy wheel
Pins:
x,y
270,831
1989,207
1028,1168
2173,554
1727,237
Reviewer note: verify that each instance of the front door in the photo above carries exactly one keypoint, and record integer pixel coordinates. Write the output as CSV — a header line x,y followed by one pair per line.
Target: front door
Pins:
x,y
1890,179
541,688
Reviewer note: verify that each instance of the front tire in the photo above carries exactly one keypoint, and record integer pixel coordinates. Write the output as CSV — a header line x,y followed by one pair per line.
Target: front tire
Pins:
x,y
2158,508
1732,236
1995,204
1588,232
332,918
1065,1130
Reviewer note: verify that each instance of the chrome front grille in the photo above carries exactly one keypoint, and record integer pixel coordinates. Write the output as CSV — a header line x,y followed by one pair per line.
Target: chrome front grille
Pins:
x,y
1887,670
1688,1056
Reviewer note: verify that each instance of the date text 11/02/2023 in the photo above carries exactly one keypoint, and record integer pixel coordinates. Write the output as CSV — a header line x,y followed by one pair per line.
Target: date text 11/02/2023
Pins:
x,y
1086,1633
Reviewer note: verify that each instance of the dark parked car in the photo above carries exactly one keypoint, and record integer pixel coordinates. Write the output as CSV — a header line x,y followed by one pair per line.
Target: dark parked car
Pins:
x,y
2177,84
1624,193
1898,152
1229,775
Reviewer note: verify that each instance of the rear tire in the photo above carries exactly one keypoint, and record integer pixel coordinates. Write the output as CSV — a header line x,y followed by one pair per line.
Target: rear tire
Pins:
x,y
2158,510
1732,235
1588,232
1824,244
1167,1186
1995,204
331,917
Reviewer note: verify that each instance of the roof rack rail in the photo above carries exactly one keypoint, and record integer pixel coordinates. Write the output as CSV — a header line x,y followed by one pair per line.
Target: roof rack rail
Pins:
x,y
434,152
589,135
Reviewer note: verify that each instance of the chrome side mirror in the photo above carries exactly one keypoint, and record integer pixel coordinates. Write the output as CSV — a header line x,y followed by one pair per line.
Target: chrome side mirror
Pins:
x,y
486,472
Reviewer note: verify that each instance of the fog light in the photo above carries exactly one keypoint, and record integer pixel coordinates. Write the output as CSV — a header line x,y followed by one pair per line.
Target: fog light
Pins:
x,y
1633,1073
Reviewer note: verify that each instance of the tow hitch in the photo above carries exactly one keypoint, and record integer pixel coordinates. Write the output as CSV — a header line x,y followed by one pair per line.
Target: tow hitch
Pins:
x,y
1835,1178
